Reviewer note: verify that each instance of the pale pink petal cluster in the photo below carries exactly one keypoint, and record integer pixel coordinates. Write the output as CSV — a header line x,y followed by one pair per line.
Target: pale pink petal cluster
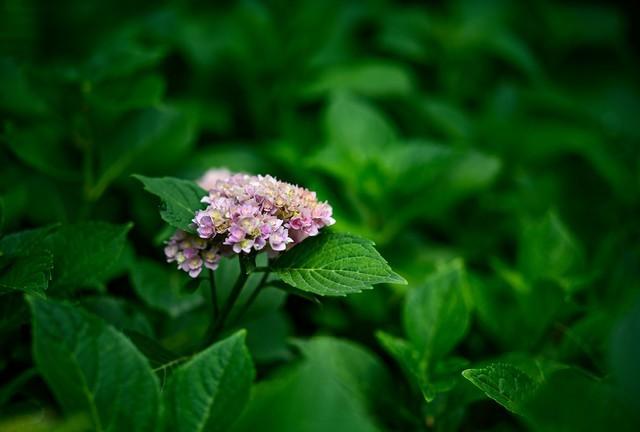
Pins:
x,y
211,177
191,253
247,213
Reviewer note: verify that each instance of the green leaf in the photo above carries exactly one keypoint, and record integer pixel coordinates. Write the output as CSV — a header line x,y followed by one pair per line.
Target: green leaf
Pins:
x,y
356,132
11,387
209,392
42,146
162,288
16,94
180,199
3,212
334,264
436,313
25,242
92,368
43,421
268,336
625,357
147,140
368,79
26,261
353,125
30,274
337,385
410,360
122,315
570,400
127,94
504,383
120,58
547,250
159,357
85,252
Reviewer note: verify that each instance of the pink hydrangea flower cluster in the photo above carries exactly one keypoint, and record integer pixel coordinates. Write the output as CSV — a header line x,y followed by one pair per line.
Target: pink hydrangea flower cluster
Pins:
x,y
247,213
191,253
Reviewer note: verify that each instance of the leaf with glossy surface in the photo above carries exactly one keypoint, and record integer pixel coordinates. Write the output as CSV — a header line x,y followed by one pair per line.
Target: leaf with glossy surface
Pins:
x,y
92,368
334,264
209,392
180,199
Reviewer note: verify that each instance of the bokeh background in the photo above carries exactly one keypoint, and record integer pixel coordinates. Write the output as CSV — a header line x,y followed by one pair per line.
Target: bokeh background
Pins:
x,y
502,133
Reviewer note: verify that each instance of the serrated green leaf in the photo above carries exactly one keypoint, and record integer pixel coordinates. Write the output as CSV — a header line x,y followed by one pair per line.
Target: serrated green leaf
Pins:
x,y
180,198
163,289
92,368
84,253
335,265
436,314
504,383
209,392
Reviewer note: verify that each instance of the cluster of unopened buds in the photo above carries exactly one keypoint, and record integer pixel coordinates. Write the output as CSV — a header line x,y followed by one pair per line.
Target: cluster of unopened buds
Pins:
x,y
246,213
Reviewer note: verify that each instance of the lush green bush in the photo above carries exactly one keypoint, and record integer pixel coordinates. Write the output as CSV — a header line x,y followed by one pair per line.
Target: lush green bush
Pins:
x,y
489,149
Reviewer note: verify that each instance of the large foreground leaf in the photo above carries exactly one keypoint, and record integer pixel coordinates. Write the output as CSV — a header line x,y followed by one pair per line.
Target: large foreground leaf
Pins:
x,y
335,264
210,391
92,368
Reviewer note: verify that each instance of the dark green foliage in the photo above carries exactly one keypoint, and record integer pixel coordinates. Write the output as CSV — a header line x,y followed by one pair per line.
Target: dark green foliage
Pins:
x,y
335,264
490,150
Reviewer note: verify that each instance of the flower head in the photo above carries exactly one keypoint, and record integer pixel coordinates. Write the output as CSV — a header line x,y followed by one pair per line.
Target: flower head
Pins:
x,y
209,179
247,213
191,253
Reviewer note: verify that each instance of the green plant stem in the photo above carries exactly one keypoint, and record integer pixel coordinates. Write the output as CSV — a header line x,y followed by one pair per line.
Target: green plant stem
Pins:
x,y
214,294
218,323
245,307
